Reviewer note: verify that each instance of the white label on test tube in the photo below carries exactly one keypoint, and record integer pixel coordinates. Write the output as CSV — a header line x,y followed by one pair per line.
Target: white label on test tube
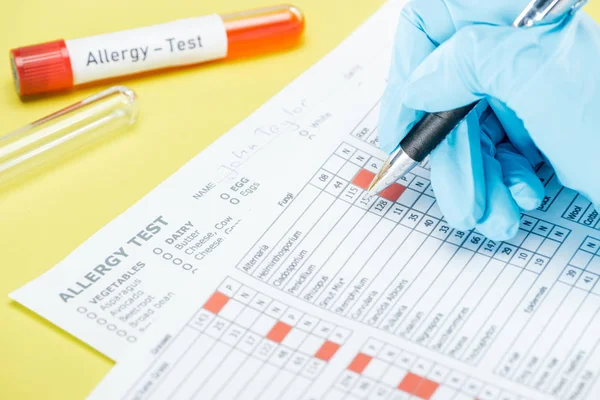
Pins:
x,y
182,42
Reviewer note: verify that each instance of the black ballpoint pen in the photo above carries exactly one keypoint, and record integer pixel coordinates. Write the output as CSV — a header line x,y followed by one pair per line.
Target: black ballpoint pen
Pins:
x,y
429,132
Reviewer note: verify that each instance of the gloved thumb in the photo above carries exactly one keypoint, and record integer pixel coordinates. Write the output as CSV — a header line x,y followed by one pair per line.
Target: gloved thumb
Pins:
x,y
476,62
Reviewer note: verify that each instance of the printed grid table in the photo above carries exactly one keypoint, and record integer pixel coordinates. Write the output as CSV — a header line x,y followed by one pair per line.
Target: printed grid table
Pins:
x,y
391,261
268,349
582,211
562,358
381,371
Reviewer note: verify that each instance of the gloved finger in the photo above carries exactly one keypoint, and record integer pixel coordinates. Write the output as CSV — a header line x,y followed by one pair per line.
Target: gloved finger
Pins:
x,y
421,24
476,62
468,180
501,213
501,218
491,126
520,178
457,175
516,132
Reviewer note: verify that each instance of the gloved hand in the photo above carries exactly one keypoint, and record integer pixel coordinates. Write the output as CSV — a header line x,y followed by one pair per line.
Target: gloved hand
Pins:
x,y
543,89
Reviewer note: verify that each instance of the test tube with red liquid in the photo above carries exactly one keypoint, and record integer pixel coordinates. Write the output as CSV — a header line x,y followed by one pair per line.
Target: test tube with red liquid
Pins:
x,y
64,64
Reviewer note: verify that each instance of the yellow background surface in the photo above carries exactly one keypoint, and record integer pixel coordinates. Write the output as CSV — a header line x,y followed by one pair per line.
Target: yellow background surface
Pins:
x,y
182,112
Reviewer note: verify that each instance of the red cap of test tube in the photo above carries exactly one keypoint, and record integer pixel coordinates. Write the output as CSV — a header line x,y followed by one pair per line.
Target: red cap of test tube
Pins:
x,y
61,64
42,68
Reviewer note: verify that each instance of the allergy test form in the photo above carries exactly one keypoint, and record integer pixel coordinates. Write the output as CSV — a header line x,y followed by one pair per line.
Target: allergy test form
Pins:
x,y
109,291
325,293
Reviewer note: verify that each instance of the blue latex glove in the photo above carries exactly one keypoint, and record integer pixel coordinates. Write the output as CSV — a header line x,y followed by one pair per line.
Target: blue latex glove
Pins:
x,y
543,89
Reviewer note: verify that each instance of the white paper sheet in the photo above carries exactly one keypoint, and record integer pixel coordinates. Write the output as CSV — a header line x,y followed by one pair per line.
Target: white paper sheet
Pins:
x,y
109,291
334,295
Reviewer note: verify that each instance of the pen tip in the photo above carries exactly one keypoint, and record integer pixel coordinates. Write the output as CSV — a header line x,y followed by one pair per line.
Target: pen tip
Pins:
x,y
371,189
